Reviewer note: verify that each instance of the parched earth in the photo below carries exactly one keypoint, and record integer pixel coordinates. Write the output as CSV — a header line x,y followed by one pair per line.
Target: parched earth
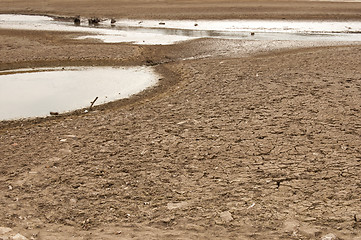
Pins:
x,y
239,140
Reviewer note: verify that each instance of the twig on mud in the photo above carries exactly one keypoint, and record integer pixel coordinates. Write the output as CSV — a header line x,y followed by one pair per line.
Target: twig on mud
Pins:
x,y
92,103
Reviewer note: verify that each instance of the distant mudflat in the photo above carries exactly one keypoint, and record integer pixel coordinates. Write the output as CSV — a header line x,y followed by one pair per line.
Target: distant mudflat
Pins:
x,y
165,32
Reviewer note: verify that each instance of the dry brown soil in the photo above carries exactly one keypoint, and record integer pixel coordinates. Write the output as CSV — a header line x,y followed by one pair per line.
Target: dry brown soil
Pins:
x,y
258,140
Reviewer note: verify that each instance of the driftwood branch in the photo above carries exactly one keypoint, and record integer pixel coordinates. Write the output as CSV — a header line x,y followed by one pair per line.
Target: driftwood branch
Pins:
x,y
92,103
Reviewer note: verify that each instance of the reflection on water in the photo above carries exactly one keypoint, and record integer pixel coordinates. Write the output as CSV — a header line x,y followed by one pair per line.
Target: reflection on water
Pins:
x,y
173,31
33,93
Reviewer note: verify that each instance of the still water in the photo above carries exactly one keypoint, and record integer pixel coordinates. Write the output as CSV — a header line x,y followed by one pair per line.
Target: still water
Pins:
x,y
163,32
28,93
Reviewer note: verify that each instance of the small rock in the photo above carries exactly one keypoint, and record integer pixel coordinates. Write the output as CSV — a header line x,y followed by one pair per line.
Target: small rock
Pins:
x,y
63,140
65,151
19,237
291,226
10,187
71,136
167,220
226,216
253,204
4,230
310,231
329,236
172,206
182,122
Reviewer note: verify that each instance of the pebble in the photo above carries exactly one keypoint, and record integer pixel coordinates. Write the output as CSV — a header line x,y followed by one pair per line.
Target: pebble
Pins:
x,y
65,151
19,237
309,231
329,236
291,226
71,136
226,216
4,230
172,206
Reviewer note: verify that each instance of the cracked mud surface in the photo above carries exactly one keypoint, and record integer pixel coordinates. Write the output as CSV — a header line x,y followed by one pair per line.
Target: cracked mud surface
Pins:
x,y
239,143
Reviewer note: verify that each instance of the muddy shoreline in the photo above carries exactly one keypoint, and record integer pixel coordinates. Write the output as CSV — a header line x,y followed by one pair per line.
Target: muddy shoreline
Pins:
x,y
249,140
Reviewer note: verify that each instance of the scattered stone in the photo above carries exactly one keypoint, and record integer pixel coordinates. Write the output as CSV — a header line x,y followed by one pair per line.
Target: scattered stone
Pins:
x,y
291,226
112,21
167,220
310,231
4,230
62,140
252,33
253,204
329,236
71,136
65,151
10,187
172,206
162,23
226,216
54,113
19,237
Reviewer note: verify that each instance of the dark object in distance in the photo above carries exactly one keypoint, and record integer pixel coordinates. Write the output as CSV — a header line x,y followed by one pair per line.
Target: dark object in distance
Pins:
x,y
77,20
93,21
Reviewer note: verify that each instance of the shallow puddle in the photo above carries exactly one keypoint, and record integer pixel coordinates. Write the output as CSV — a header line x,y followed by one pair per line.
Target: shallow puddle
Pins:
x,y
172,31
37,92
